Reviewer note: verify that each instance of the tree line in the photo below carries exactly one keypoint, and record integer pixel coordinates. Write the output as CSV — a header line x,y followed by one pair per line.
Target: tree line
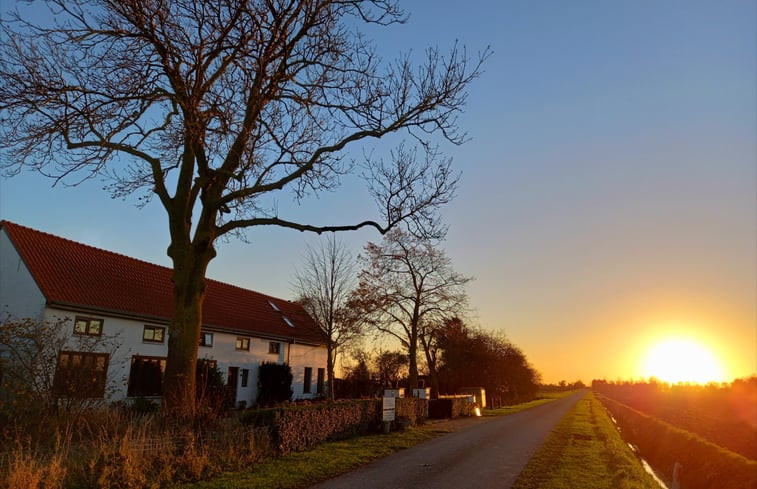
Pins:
x,y
405,290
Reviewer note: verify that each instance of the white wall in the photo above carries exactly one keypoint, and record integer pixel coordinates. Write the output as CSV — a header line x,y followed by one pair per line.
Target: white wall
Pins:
x,y
301,356
128,334
19,295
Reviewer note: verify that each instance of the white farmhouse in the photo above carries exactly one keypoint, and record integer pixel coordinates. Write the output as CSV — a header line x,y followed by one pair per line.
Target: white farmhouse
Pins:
x,y
104,294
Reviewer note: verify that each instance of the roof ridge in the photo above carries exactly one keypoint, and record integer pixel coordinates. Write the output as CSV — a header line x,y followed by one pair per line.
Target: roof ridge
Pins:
x,y
73,274
4,222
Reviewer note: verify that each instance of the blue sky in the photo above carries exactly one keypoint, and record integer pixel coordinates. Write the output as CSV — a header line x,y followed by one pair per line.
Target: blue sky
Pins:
x,y
608,196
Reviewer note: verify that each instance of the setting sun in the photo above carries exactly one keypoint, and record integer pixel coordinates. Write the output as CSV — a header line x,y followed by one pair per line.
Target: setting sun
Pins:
x,y
682,360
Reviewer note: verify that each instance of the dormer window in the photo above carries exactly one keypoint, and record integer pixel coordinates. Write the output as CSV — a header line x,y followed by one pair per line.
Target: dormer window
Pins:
x,y
274,306
288,321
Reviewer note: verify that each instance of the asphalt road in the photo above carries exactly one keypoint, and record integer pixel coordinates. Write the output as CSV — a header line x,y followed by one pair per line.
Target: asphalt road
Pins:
x,y
487,453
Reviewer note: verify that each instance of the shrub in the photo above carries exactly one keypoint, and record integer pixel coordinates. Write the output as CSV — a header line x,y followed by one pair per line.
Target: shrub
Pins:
x,y
211,392
274,383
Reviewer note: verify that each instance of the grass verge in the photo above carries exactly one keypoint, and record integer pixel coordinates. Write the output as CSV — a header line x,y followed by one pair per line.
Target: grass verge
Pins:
x,y
585,450
543,398
301,469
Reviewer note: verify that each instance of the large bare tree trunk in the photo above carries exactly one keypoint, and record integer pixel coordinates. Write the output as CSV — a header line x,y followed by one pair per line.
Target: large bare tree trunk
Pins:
x,y
190,265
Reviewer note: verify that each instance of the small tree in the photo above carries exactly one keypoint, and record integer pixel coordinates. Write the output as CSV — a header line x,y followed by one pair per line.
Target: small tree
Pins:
x,y
391,367
358,378
407,287
274,383
211,392
324,285
29,354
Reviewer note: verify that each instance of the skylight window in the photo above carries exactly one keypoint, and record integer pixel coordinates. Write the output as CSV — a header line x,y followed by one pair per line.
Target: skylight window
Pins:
x,y
274,306
288,321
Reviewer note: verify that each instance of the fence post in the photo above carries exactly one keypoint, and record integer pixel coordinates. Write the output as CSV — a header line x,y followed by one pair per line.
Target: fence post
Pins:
x,y
677,467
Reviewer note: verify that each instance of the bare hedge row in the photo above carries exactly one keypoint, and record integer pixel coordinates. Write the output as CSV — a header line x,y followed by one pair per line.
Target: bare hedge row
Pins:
x,y
705,465
296,428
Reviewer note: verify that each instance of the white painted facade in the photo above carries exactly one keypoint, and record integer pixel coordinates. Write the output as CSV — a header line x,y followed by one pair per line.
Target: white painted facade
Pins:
x,y
19,295
21,298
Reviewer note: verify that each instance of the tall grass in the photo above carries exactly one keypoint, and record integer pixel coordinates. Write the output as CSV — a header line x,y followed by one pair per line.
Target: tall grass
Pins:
x,y
112,449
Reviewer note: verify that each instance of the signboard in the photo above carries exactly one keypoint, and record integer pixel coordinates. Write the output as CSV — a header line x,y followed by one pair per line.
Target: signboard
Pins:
x,y
388,408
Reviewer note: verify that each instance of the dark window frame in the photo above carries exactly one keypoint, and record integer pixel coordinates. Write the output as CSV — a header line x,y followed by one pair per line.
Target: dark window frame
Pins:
x,y
80,374
307,380
245,377
145,388
204,335
320,381
88,322
240,343
274,347
162,330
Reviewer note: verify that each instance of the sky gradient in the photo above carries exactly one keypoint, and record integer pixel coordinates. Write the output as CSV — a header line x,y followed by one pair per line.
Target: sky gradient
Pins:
x,y
609,189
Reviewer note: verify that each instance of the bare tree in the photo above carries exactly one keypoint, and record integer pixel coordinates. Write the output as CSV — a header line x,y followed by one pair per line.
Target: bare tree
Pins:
x,y
323,286
407,288
33,381
220,108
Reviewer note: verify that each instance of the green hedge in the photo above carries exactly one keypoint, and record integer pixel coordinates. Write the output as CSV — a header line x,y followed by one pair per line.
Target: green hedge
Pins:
x,y
705,465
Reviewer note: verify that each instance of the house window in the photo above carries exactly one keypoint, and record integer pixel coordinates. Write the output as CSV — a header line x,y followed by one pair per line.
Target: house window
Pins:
x,y
206,339
88,326
274,347
320,381
245,376
308,380
153,334
80,374
242,343
146,376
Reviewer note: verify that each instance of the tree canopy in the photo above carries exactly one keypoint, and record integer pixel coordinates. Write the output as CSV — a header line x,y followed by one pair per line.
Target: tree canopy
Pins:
x,y
219,109
407,288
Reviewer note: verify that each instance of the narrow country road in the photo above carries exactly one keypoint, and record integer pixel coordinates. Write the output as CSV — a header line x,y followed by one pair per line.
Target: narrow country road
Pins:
x,y
490,453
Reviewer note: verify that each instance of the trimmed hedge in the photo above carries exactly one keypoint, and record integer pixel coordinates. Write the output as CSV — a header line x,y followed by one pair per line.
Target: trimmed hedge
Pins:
x,y
412,408
705,465
295,428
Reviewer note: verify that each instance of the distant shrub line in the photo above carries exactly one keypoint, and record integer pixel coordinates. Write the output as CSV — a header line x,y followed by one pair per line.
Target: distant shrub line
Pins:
x,y
705,465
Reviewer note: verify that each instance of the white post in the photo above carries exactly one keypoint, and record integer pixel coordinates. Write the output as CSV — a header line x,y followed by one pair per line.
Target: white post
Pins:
x,y
676,475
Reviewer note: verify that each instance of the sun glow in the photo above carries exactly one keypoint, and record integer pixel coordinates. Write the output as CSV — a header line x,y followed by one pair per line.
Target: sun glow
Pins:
x,y
682,360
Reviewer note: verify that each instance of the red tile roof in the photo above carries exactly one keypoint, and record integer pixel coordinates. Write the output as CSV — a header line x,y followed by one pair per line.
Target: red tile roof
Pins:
x,y
73,275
